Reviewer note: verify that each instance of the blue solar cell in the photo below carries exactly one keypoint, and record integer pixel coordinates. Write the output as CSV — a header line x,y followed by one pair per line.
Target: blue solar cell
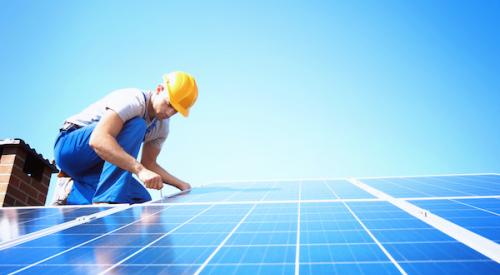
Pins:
x,y
452,251
171,255
218,218
25,255
192,239
273,218
408,222
206,227
59,240
257,238
255,255
156,269
334,237
357,268
452,268
492,205
121,240
330,225
91,228
410,235
331,189
346,190
92,255
338,253
317,190
66,269
279,191
267,226
249,269
256,193
333,216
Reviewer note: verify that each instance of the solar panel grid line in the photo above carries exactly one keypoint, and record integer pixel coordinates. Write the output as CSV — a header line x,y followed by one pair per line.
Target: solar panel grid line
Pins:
x,y
447,198
59,227
81,244
297,245
477,242
155,241
389,256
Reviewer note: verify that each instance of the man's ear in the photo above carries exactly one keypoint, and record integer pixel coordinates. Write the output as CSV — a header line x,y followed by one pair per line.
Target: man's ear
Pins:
x,y
159,89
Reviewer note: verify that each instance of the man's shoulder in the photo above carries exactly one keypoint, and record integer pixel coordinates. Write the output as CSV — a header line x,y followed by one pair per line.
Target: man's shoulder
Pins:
x,y
135,92
130,95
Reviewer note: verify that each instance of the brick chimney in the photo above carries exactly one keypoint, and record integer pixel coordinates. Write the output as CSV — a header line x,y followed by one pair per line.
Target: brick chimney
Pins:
x,y
24,174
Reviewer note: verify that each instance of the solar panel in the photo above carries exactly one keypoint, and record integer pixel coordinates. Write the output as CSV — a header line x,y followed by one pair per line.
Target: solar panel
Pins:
x,y
18,221
416,225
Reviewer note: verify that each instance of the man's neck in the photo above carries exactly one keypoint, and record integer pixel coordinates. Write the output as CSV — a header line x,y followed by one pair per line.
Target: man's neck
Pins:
x,y
151,111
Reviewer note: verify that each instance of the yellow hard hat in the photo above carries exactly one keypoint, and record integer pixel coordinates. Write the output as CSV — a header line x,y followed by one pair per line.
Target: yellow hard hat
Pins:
x,y
182,91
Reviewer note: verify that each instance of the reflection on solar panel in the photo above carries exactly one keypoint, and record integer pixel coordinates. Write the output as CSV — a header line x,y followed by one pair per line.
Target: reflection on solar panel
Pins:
x,y
16,222
417,225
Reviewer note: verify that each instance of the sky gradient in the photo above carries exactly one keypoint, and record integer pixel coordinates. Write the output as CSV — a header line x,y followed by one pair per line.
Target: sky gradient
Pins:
x,y
288,89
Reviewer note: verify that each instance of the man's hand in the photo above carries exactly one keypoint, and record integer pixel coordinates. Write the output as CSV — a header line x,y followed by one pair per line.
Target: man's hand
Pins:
x,y
184,186
150,179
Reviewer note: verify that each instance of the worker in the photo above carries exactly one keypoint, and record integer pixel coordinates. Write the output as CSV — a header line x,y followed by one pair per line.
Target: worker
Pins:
x,y
98,147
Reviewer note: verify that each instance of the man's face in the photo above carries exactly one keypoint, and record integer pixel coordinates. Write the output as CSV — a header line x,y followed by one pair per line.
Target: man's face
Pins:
x,y
161,104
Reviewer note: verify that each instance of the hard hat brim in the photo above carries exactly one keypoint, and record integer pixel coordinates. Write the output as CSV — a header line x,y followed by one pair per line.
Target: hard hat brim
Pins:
x,y
184,112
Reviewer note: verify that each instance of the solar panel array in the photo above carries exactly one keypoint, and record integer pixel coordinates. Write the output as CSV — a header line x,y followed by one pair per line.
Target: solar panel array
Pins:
x,y
275,227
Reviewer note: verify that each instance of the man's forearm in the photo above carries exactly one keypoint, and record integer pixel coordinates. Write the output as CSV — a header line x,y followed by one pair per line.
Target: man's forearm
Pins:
x,y
109,150
167,177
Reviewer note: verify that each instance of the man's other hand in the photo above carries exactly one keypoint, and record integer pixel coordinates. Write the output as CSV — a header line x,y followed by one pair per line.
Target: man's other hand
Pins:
x,y
184,186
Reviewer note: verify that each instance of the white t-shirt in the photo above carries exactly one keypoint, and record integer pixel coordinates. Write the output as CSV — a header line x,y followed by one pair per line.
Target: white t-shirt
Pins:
x,y
127,103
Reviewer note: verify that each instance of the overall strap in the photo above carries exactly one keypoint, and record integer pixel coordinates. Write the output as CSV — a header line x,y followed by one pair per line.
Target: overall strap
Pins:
x,y
153,123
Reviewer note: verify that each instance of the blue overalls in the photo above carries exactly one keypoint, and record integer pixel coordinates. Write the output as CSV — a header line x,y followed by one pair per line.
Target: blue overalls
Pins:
x,y
96,180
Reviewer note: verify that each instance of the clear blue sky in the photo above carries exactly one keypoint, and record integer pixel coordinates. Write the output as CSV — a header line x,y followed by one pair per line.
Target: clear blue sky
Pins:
x,y
288,89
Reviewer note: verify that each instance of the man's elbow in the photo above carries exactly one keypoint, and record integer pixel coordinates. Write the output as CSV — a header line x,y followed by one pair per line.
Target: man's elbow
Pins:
x,y
95,143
